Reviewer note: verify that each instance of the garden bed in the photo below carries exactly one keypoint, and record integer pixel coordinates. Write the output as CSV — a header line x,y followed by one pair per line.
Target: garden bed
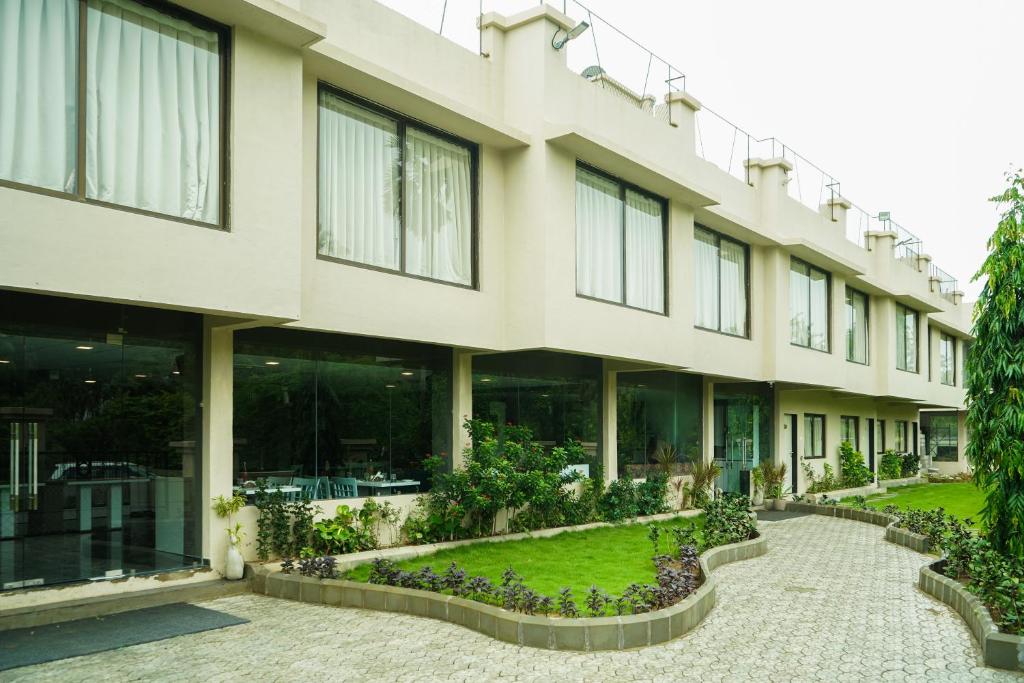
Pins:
x,y
587,634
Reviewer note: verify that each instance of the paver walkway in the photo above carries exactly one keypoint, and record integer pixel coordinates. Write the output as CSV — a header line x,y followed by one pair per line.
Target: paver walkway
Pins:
x,y
831,601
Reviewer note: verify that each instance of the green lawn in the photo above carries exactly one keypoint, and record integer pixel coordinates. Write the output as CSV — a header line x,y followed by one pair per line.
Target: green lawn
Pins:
x,y
962,499
610,558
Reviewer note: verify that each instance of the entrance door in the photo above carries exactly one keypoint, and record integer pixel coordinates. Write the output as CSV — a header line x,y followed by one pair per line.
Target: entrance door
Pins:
x,y
794,464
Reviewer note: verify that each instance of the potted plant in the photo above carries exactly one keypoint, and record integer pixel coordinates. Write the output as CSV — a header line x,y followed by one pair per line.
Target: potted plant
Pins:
x,y
234,566
757,484
772,478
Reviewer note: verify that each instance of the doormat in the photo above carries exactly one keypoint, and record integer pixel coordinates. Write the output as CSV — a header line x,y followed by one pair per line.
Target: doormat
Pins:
x,y
778,515
35,645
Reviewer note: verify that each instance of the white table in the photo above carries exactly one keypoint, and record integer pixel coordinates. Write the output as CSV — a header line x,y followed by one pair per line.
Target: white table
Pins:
x,y
378,486
289,491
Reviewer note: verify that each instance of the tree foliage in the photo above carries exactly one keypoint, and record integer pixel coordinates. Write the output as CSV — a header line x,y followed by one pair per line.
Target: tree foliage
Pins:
x,y
995,376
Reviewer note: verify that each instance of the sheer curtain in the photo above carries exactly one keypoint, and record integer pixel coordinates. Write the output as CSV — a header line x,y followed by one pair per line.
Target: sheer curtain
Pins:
x,y
705,279
819,310
152,111
645,253
733,284
438,208
598,237
799,305
910,340
359,179
38,79
858,346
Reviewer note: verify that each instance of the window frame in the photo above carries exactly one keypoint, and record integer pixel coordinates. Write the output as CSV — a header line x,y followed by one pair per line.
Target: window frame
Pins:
x,y
719,238
624,186
402,121
902,429
880,447
843,421
867,326
224,35
828,307
900,308
943,337
824,436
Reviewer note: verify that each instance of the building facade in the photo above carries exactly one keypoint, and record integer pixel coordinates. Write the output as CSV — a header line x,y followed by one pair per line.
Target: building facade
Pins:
x,y
301,241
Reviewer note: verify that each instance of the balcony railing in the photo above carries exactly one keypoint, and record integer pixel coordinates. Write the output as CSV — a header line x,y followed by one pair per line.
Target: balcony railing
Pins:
x,y
947,283
621,65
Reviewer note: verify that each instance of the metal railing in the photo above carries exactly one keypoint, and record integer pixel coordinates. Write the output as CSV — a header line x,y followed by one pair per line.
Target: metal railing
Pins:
x,y
947,283
621,65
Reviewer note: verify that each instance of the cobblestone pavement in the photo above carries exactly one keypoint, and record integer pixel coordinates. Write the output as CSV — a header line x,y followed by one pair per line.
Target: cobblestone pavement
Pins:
x,y
831,601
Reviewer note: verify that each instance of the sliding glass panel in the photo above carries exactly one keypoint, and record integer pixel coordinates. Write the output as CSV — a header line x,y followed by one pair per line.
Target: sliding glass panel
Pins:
x,y
906,339
598,237
152,111
645,253
706,278
438,208
657,410
940,436
359,184
799,304
733,288
856,327
947,359
819,310
38,92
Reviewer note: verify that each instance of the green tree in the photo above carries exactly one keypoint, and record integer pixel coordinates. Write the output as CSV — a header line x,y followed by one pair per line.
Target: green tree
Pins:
x,y
995,376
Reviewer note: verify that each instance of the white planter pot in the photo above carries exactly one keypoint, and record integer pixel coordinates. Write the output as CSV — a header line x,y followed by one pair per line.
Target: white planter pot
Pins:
x,y
780,504
234,568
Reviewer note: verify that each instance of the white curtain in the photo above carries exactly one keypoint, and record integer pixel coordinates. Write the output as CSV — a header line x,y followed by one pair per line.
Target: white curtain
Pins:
x,y
359,180
705,279
598,237
910,335
734,291
38,86
645,253
819,310
152,111
947,359
856,327
438,208
799,304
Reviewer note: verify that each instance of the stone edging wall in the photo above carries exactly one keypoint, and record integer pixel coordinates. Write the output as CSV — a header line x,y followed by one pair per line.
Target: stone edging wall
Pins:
x,y
893,534
905,481
584,634
1001,650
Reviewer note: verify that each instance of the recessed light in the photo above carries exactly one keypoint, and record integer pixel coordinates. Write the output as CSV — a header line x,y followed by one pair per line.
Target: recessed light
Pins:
x,y
175,372
4,361
90,381
141,376
272,362
544,395
408,373
84,347
389,386
486,379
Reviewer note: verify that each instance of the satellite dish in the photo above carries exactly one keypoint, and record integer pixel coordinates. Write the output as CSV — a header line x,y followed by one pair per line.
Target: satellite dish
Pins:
x,y
592,72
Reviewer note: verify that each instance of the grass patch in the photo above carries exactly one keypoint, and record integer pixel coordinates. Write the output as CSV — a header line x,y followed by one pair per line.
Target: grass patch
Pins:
x,y
610,558
961,499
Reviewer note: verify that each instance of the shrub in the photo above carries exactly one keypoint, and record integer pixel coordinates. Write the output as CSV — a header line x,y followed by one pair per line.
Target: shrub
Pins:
x,y
826,482
910,465
652,495
852,470
890,466
704,475
727,520
619,501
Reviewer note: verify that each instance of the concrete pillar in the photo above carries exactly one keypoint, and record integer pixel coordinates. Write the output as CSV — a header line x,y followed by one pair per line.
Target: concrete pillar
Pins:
x,y
218,437
462,403
610,422
708,422
770,177
682,113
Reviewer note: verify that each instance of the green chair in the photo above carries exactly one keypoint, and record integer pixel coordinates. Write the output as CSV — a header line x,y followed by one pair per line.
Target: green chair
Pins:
x,y
344,487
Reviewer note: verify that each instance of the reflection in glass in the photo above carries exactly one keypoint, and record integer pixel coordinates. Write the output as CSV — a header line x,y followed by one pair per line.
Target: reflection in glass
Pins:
x,y
331,416
657,409
940,435
743,431
558,396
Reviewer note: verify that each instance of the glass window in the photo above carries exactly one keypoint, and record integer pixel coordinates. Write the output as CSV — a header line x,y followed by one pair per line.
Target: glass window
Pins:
x,y
814,436
335,416
392,195
657,410
940,436
947,359
720,281
556,395
880,435
900,439
151,98
808,306
620,242
906,338
850,427
742,429
856,326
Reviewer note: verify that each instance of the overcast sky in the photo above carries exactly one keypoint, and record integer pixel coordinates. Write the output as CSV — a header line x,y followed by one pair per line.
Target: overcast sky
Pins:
x,y
915,106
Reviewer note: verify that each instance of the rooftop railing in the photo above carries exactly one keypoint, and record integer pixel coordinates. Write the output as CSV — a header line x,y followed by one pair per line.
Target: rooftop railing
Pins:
x,y
947,283
621,65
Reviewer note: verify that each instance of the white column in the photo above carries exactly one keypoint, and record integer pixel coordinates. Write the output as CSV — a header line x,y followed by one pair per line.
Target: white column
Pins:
x,y
218,439
610,423
462,403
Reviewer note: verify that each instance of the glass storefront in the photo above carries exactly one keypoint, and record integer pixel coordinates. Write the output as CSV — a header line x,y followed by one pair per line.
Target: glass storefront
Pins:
x,y
743,432
99,440
657,410
335,416
941,433
556,395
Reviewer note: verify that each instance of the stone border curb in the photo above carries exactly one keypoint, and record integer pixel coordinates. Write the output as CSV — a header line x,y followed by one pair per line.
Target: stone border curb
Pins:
x,y
905,481
1001,650
585,634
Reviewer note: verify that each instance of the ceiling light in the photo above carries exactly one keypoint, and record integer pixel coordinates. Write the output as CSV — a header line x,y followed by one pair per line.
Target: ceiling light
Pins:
x,y
140,376
4,361
389,386
273,362
175,372
84,347
90,381
408,373
486,379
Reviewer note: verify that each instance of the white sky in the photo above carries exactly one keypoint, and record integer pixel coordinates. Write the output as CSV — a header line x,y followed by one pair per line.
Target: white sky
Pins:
x,y
914,105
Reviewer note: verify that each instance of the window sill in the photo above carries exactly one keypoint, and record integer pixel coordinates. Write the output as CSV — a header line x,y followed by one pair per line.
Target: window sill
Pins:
x,y
619,304
811,348
909,372
857,362
724,334
390,271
